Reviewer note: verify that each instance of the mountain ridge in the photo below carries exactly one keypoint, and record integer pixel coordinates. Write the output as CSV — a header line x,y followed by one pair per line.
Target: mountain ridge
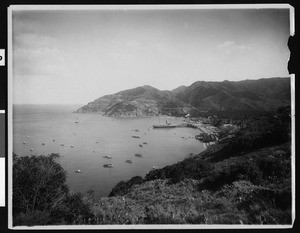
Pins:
x,y
264,94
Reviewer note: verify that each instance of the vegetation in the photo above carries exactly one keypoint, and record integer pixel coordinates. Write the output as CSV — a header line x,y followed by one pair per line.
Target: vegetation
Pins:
x,y
41,196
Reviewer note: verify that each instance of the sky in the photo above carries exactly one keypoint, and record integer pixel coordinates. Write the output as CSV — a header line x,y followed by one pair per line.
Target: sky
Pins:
x,y
75,57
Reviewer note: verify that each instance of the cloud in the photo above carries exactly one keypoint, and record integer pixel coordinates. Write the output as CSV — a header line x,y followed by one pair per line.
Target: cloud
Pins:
x,y
38,61
231,46
226,44
31,40
35,54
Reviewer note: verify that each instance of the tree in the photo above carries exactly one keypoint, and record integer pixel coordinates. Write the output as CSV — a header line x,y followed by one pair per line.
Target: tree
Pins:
x,y
38,183
39,189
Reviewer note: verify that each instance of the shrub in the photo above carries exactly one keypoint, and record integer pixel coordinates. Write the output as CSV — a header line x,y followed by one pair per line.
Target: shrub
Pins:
x,y
32,218
41,196
73,211
189,168
241,171
122,187
38,183
274,167
159,215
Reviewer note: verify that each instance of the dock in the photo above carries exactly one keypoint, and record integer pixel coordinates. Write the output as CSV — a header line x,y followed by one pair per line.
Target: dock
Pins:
x,y
208,133
166,126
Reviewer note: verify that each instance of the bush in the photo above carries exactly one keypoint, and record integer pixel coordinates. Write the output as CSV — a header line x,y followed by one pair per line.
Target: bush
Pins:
x,y
41,196
72,211
189,168
122,187
32,218
241,171
38,183
274,168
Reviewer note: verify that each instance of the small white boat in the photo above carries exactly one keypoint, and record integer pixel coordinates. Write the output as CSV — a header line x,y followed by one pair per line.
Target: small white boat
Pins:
x,y
72,146
31,149
24,142
108,165
135,136
107,156
43,143
78,171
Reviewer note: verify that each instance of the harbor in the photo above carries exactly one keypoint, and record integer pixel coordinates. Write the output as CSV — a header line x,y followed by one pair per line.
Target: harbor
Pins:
x,y
208,133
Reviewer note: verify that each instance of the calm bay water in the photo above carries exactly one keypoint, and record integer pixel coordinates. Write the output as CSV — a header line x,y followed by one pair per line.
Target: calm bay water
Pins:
x,y
43,123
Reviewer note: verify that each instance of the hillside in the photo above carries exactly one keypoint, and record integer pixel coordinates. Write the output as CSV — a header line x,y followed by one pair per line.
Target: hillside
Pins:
x,y
247,95
221,98
248,194
140,101
242,180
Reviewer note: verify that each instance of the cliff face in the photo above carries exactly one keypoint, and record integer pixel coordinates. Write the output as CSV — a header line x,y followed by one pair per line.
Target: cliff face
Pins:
x,y
248,95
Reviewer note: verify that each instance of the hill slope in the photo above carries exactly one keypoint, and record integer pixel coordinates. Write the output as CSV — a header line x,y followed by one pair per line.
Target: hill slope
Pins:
x,y
250,95
140,101
243,180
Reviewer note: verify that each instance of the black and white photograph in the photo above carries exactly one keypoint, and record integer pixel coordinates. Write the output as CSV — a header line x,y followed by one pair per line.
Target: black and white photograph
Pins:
x,y
160,116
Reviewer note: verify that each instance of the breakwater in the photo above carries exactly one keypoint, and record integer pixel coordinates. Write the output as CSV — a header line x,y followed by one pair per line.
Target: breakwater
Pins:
x,y
188,125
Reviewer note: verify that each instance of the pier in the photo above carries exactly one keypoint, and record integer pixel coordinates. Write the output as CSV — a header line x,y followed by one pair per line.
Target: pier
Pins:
x,y
208,133
189,125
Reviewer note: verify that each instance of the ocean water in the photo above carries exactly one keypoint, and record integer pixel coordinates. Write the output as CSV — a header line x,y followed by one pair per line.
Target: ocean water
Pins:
x,y
95,136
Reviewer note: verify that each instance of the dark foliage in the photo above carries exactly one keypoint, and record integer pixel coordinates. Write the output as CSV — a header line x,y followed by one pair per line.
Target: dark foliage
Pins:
x,y
41,196
122,187
270,202
72,211
257,171
247,170
38,183
188,168
257,133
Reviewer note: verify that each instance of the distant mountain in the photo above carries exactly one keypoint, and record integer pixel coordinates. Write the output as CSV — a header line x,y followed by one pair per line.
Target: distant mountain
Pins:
x,y
244,96
140,101
247,95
